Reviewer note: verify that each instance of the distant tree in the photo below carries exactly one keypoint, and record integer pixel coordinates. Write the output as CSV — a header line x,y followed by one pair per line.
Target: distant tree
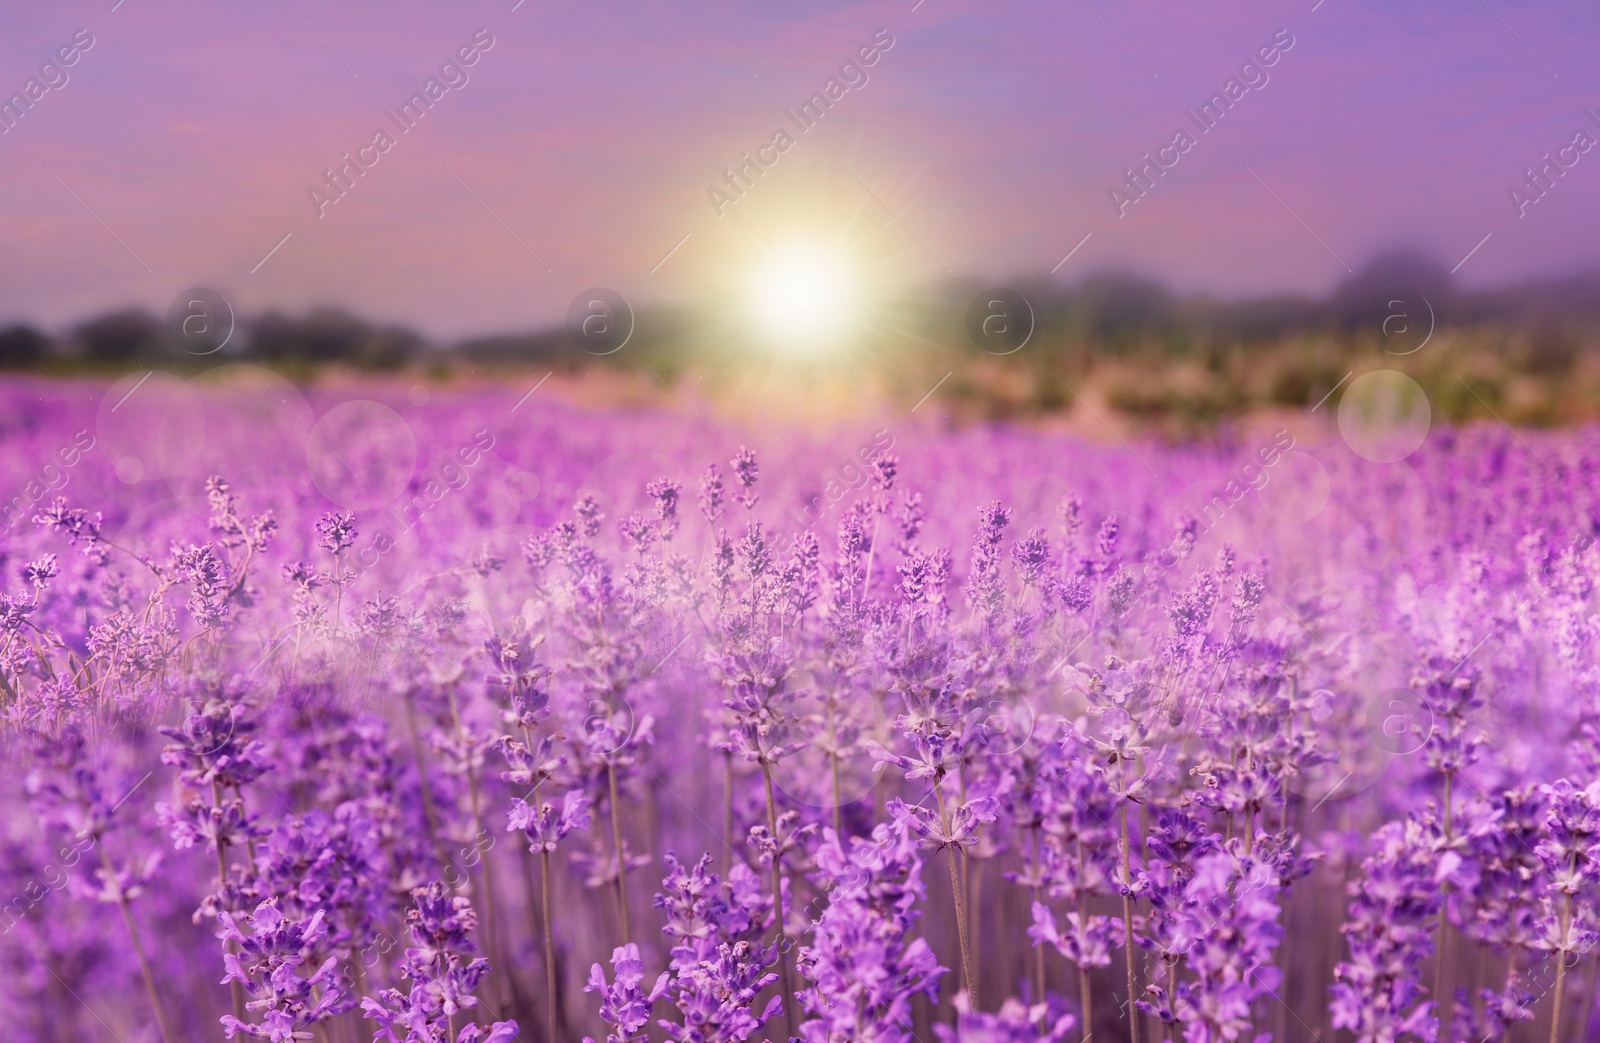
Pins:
x,y
120,336
1118,307
387,348
1352,300
332,335
22,346
1552,348
324,335
274,336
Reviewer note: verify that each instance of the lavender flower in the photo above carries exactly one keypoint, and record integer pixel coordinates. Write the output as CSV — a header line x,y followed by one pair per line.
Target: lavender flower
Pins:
x,y
336,532
747,471
623,1004
863,966
443,974
1378,992
1084,711
544,825
1013,1023
267,965
665,492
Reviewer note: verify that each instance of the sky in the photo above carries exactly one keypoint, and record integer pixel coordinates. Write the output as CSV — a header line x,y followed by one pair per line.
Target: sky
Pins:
x,y
580,147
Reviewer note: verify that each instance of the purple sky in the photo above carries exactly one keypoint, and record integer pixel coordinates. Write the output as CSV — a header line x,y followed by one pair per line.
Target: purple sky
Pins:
x,y
985,141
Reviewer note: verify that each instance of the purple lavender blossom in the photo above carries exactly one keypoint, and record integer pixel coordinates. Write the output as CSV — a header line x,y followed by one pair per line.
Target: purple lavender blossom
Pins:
x,y
863,966
1122,733
268,964
623,1004
443,973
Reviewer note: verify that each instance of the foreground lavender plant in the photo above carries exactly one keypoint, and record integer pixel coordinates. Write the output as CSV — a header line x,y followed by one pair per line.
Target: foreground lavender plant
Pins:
x,y
1570,924
443,975
266,962
1151,739
623,1004
717,970
545,827
70,795
863,965
1378,992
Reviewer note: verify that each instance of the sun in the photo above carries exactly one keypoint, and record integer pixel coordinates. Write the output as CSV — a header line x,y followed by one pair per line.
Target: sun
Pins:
x,y
803,298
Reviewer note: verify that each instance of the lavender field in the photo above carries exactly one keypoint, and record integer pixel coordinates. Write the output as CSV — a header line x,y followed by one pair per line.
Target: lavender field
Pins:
x,y
352,714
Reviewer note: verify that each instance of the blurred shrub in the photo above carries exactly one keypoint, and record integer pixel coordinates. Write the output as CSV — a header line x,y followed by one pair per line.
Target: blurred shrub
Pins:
x,y
120,336
22,346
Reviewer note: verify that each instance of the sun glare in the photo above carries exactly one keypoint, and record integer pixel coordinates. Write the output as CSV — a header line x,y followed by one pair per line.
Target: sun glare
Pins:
x,y
803,297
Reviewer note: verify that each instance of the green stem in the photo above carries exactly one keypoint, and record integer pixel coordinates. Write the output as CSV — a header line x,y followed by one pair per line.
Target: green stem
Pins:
x,y
1561,969
622,861
549,953
1084,994
1444,923
727,811
958,893
777,901
498,967
234,988
144,961
429,813
1038,950
833,763
1127,929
